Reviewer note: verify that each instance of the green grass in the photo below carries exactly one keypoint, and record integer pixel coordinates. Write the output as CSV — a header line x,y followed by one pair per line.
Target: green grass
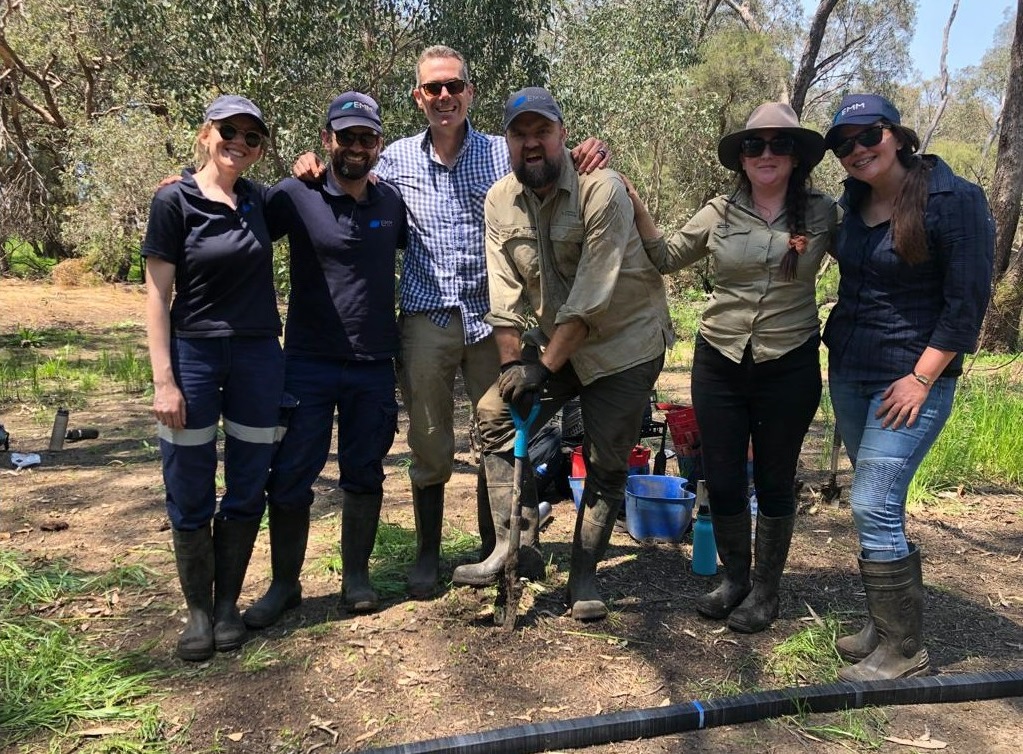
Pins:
x,y
56,681
394,553
981,445
25,263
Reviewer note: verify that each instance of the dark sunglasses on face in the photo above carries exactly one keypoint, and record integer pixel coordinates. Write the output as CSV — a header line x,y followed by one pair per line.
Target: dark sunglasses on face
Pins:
x,y
434,88
253,139
348,138
753,146
869,138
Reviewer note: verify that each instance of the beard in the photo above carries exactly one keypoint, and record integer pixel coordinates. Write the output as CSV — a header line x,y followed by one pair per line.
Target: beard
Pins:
x,y
539,175
351,170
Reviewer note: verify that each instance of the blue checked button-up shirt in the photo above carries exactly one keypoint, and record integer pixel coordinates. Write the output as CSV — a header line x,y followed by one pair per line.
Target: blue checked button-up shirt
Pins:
x,y
445,265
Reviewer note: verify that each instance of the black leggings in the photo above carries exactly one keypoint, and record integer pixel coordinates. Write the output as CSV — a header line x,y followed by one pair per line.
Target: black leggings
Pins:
x,y
773,403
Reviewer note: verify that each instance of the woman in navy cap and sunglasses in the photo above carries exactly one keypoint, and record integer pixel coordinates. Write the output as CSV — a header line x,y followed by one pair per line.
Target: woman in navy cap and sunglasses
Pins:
x,y
915,253
213,332
756,369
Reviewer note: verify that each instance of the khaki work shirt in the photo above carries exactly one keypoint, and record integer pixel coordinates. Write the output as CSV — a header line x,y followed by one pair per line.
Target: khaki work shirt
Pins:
x,y
576,254
751,301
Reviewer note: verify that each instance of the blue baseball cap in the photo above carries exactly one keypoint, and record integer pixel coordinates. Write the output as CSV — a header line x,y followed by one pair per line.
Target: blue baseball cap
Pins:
x,y
354,109
861,110
532,99
227,105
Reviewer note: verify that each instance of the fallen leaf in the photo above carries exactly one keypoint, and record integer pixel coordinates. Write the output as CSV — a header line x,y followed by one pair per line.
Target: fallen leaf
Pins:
x,y
97,732
367,735
236,737
920,743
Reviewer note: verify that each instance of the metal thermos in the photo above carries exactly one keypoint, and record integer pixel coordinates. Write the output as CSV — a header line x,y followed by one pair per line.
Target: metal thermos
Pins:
x,y
59,429
705,551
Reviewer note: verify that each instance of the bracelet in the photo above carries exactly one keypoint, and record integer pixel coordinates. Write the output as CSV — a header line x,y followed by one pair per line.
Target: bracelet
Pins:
x,y
923,379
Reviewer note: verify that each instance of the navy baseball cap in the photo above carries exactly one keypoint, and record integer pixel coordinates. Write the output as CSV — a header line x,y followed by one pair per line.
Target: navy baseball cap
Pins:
x,y
354,109
860,110
532,99
227,105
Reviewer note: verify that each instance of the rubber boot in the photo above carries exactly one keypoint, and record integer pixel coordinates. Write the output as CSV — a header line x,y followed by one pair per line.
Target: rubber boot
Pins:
x,y
855,647
289,535
732,537
193,553
755,613
484,519
500,470
593,526
232,546
895,599
428,506
360,517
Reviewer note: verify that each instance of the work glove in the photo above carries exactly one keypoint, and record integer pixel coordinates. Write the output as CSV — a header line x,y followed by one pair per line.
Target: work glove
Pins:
x,y
521,383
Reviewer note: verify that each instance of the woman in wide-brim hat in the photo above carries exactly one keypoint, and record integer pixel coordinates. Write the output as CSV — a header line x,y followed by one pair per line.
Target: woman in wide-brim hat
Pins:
x,y
915,257
756,375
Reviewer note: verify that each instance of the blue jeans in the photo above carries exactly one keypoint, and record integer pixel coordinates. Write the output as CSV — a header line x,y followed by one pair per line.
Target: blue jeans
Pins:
x,y
885,460
241,379
367,419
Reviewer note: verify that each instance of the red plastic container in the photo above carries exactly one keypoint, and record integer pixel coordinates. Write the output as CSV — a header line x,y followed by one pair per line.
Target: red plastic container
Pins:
x,y
578,464
639,461
685,433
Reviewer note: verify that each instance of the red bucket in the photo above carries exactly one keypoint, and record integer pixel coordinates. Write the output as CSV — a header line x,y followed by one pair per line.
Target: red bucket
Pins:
x,y
639,461
578,464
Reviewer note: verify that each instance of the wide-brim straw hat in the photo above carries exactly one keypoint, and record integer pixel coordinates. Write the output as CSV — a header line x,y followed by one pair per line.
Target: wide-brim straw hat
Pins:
x,y
774,116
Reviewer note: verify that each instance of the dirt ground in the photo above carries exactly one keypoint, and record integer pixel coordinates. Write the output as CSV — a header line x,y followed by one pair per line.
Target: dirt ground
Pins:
x,y
419,670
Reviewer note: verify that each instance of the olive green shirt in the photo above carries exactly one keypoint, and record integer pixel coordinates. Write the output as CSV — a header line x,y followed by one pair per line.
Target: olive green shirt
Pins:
x,y
751,301
576,255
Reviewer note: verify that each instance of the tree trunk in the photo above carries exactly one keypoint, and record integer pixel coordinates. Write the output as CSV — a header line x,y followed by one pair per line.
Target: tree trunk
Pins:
x,y
808,60
1001,325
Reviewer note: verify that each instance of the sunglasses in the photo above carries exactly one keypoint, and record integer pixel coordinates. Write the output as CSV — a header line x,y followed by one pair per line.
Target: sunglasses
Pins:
x,y
869,138
253,139
754,146
434,88
348,138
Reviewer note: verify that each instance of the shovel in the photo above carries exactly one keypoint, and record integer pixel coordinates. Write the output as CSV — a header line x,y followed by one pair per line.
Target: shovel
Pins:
x,y
510,589
832,492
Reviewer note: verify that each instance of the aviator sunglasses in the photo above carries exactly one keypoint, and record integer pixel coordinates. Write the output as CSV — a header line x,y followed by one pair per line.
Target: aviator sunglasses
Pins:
x,y
869,138
253,139
434,88
754,146
348,138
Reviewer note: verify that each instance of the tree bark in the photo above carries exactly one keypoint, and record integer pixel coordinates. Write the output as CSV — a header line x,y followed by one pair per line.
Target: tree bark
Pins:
x,y
1001,325
943,103
808,60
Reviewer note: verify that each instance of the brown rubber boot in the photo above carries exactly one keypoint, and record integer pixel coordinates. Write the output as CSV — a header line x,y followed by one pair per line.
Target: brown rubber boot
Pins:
x,y
360,516
895,599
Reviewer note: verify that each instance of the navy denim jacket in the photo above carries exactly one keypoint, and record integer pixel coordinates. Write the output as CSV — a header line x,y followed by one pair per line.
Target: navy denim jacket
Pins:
x,y
889,311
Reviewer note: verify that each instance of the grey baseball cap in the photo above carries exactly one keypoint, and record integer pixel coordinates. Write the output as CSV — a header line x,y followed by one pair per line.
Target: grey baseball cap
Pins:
x,y
532,99
227,105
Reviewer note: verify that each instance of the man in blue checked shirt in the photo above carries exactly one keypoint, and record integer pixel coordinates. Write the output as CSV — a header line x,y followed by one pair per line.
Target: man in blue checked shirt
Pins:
x,y
443,174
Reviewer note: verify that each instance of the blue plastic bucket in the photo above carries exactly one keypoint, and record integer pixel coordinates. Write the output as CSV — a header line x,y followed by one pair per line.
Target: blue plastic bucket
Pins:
x,y
576,483
657,507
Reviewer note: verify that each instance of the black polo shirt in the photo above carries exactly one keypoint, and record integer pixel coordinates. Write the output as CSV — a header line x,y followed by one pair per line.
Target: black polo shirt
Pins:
x,y
342,302
223,258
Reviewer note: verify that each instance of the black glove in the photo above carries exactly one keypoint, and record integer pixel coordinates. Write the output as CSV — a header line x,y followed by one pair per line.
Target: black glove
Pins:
x,y
520,384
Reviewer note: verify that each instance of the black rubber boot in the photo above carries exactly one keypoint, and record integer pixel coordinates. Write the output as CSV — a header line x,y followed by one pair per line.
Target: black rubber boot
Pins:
x,y
732,537
593,526
232,546
484,519
755,613
500,470
193,553
855,647
360,517
428,505
895,599
289,535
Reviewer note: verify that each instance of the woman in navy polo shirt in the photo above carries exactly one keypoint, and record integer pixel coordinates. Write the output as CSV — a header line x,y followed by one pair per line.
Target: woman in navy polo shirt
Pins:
x,y
215,352
915,253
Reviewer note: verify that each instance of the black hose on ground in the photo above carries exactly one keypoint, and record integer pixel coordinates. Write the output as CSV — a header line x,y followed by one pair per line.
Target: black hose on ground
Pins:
x,y
678,718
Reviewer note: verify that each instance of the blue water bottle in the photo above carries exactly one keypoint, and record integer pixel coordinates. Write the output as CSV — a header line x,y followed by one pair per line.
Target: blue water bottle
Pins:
x,y
705,551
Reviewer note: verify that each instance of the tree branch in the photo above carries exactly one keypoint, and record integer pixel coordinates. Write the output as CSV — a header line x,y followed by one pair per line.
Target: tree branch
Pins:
x,y
943,102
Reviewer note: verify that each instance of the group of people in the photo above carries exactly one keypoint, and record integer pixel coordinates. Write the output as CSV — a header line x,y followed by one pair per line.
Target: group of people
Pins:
x,y
504,232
